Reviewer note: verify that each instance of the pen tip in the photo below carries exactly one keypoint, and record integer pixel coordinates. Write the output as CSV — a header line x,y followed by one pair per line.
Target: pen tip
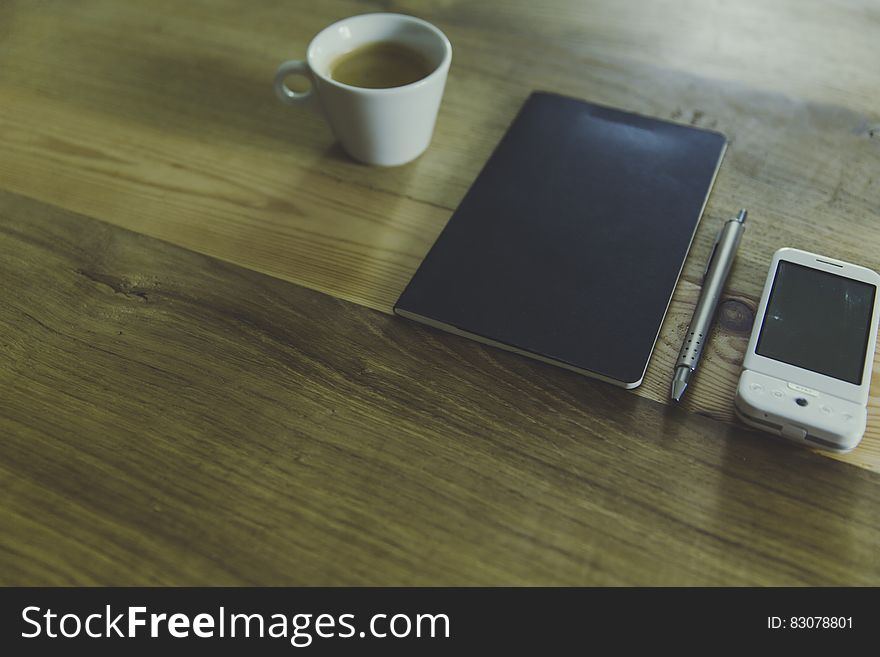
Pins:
x,y
678,388
680,382
741,217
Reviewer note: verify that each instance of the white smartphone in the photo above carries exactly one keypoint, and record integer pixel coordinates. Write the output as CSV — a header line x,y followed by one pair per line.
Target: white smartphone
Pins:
x,y
807,370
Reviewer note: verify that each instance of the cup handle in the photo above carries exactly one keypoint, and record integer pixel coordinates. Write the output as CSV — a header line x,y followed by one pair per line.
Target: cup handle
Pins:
x,y
285,94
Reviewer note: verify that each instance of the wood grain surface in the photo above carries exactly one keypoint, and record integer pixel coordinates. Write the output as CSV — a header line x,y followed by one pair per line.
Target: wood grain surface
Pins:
x,y
168,418
159,116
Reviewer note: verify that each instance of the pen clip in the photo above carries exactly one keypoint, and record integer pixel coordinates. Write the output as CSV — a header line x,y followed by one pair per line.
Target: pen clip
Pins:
x,y
712,255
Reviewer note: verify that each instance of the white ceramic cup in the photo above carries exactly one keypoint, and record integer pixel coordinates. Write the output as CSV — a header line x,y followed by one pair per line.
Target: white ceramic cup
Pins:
x,y
387,127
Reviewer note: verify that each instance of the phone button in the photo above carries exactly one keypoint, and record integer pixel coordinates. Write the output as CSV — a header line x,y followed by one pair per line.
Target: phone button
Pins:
x,y
756,387
826,410
803,389
846,417
779,394
794,433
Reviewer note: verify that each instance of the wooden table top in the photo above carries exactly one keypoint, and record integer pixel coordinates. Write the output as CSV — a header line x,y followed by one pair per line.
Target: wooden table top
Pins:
x,y
192,409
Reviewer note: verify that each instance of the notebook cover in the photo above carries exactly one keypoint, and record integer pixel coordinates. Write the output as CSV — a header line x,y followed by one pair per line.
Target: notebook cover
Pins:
x,y
570,242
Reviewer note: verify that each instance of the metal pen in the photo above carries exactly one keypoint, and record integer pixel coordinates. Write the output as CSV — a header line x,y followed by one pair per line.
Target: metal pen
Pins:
x,y
714,279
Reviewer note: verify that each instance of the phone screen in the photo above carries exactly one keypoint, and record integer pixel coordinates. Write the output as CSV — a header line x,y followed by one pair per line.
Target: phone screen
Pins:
x,y
818,321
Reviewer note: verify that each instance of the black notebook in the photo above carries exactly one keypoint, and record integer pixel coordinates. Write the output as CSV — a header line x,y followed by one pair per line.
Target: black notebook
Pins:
x,y
569,244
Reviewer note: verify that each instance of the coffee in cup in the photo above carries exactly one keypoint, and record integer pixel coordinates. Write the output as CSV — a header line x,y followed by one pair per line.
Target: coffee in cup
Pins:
x,y
380,65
